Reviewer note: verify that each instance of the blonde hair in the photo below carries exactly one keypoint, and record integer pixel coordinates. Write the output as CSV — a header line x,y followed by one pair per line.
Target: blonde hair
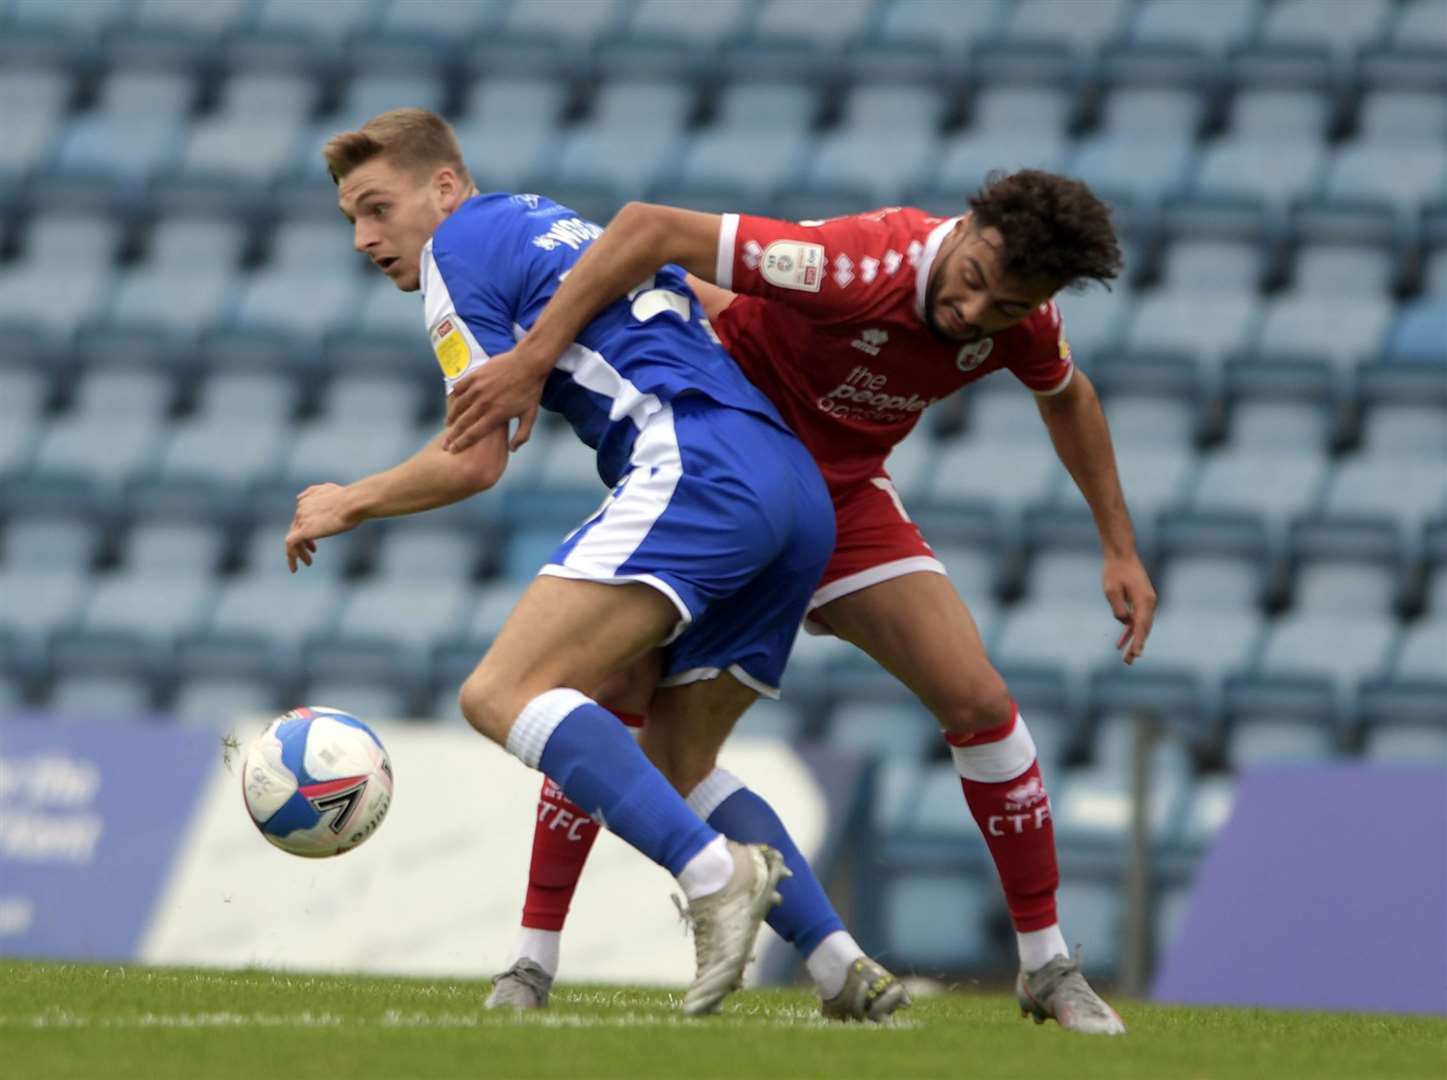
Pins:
x,y
411,139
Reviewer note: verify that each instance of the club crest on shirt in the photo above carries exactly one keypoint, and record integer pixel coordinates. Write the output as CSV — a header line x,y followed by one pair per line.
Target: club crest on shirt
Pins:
x,y
974,354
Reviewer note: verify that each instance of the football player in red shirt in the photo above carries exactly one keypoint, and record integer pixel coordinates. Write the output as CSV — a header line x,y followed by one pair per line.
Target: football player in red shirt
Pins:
x,y
853,326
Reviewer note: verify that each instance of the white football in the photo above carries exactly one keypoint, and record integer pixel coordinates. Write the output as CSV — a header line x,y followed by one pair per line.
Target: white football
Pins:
x,y
317,782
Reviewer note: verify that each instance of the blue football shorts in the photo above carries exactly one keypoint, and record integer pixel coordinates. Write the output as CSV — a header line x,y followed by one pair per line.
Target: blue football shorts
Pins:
x,y
725,514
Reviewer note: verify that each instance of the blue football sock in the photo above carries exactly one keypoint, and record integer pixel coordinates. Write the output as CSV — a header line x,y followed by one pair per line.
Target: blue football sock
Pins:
x,y
806,917
594,759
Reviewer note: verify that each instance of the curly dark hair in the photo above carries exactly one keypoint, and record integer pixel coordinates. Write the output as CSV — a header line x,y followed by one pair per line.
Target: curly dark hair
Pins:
x,y
1055,228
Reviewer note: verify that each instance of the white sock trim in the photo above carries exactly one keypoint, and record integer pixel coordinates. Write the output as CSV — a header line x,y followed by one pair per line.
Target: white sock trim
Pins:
x,y
712,790
708,871
539,946
996,762
1039,947
534,726
829,963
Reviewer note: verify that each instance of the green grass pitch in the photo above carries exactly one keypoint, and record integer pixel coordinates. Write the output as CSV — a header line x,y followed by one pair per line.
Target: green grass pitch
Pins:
x,y
60,1021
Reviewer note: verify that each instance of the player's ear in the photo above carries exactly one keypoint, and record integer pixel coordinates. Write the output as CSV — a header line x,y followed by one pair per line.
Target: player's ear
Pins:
x,y
447,187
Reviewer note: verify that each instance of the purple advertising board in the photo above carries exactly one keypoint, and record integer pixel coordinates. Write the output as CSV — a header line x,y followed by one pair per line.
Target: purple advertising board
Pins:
x,y
91,817
1327,889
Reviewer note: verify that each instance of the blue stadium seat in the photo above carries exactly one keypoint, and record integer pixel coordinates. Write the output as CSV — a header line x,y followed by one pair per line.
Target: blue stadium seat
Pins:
x,y
813,662
1065,641
941,810
1091,919
1407,744
1213,265
1340,585
153,605
1275,488
886,140
343,449
964,160
1407,490
1263,740
917,23
422,550
275,608
1401,175
77,19
1316,661
35,99
1094,321
188,283
1420,656
304,303
1009,477
938,922
495,601
1210,27
758,144
1269,168
1156,478
232,149
1140,167
770,720
79,246
911,464
391,401
1404,116
1206,810
701,27
1206,328
631,137
1434,273
36,602
1141,112
1007,110
903,730
1343,29
790,22
1083,24
1422,24
1420,333
54,543
200,21
526,551
162,547
1344,270
102,449
576,21
440,21
370,701
1343,331
104,698
219,701
385,310
405,612
1268,425
237,434
318,22
367,95
1405,430
134,130
1264,114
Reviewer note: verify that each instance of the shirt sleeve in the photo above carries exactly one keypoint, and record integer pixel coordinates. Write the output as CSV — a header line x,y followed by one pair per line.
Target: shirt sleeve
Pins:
x,y
1044,362
833,270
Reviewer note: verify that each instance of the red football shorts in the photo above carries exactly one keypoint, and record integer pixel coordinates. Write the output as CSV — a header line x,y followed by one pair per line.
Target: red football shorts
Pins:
x,y
875,541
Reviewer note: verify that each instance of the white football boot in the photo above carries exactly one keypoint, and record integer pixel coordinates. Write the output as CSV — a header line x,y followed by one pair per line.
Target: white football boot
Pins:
x,y
1059,992
725,924
523,986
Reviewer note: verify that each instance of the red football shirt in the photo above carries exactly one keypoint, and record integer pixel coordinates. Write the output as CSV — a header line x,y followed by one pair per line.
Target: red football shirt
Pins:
x,y
830,325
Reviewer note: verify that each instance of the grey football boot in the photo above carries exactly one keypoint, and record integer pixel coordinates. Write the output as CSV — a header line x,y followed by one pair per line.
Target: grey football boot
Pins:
x,y
725,924
525,985
869,993
1059,992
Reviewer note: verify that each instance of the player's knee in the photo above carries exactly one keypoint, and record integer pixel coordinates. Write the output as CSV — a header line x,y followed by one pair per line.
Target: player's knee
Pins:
x,y
486,706
978,702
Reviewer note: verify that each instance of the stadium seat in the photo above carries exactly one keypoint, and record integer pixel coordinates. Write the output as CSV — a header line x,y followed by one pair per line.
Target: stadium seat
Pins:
x,y
1216,266
1206,810
1407,491
791,22
629,140
1206,328
1140,167
1091,919
375,701
1007,110
941,812
885,730
1421,24
1094,320
35,604
151,607
495,601
1314,663
1313,326
36,99
100,698
1344,270
1420,655
1275,489
662,23
1407,744
1266,424
417,550
1341,585
331,21
770,720
1347,27
965,160
1403,176
1420,333
1262,741
1068,641
938,923
1402,116
273,608
1083,24
917,23
1209,27
1405,430
1269,168
174,547
576,21
221,702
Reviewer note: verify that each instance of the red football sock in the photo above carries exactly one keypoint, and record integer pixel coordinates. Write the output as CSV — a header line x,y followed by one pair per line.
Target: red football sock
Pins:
x,y
562,839
1006,795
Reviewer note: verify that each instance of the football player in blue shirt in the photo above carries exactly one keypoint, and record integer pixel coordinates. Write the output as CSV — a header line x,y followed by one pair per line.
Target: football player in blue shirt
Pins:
x,y
717,528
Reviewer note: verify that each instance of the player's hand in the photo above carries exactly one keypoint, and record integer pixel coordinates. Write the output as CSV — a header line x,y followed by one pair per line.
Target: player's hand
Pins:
x,y
1132,599
503,389
321,510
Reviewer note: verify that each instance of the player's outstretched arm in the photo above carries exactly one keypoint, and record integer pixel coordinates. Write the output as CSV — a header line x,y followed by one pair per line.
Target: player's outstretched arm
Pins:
x,y
642,238
428,479
1082,440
